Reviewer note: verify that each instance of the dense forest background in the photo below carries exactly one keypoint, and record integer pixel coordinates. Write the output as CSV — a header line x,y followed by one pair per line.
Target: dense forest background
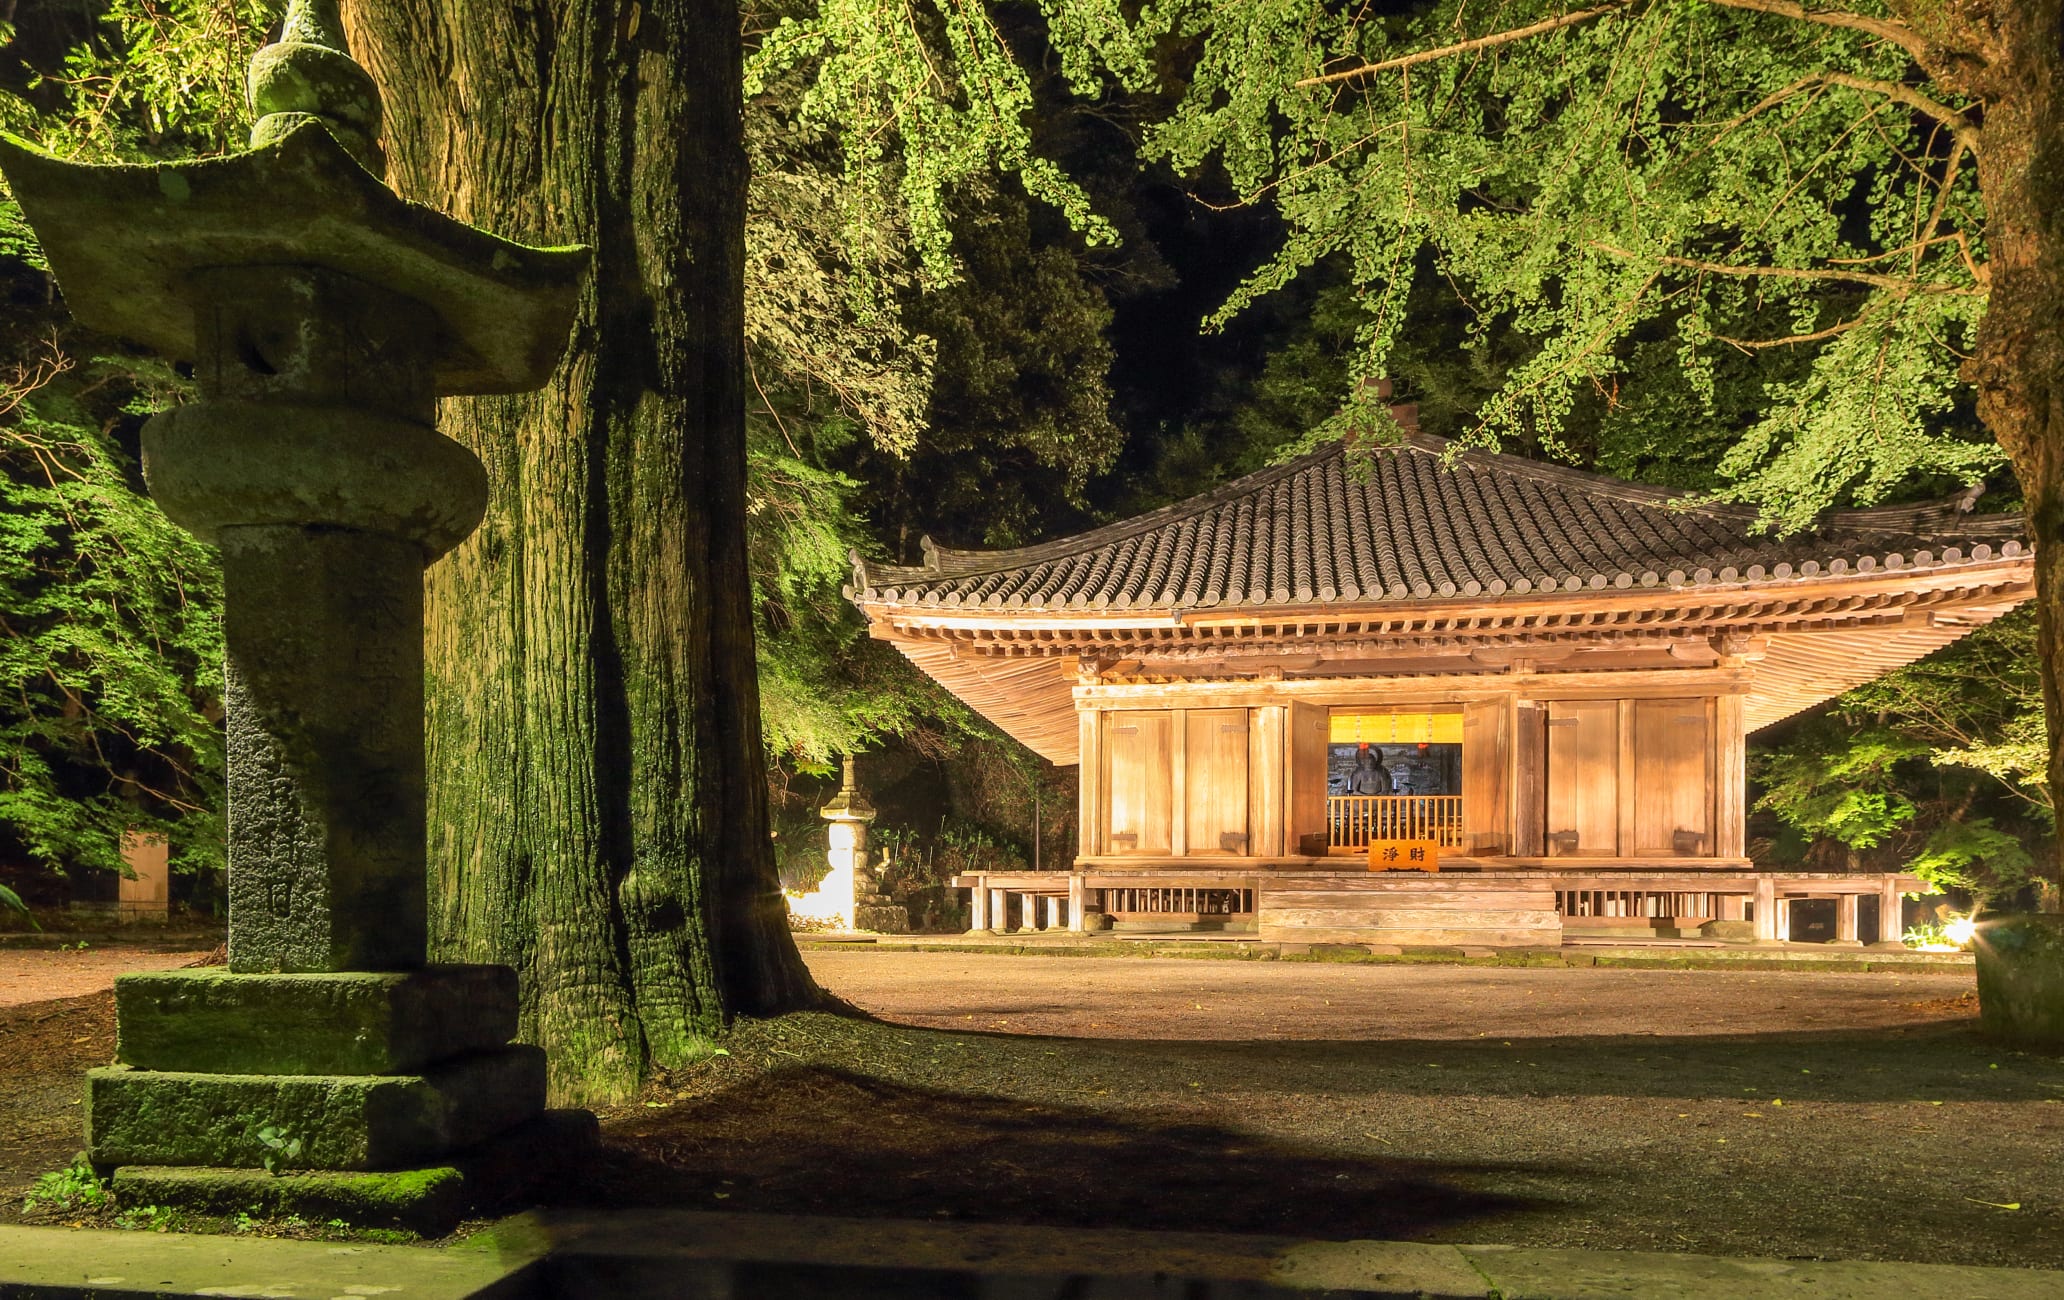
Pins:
x,y
1003,358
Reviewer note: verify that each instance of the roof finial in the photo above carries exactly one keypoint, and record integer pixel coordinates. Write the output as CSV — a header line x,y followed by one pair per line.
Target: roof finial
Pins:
x,y
309,75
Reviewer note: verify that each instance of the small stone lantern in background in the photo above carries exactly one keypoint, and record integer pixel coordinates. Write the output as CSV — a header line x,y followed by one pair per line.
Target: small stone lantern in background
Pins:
x,y
324,316
850,884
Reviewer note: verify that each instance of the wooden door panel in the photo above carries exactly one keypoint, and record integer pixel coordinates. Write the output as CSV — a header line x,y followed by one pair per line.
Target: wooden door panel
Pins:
x,y
1310,730
1215,785
1673,778
1583,778
1138,764
1486,777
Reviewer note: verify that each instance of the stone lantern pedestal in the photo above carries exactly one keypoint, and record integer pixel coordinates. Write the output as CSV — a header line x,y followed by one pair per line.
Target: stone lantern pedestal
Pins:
x,y
330,1070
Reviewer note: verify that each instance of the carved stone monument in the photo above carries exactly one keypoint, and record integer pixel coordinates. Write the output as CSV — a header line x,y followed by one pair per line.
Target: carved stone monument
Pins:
x,y
324,317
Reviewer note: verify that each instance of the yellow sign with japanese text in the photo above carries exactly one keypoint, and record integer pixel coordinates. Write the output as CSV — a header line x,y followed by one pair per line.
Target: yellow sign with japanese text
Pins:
x,y
1404,855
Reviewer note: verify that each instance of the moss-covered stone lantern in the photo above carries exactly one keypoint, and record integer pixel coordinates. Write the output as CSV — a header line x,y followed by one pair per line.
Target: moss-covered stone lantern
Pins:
x,y
324,316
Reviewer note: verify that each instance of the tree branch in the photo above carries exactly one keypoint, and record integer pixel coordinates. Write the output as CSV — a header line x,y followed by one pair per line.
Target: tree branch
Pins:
x,y
1891,283
1756,345
1541,28
1898,33
1895,284
1963,128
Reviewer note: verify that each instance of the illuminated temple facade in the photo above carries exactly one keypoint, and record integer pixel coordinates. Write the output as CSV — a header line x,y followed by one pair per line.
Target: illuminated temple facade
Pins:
x,y
1549,674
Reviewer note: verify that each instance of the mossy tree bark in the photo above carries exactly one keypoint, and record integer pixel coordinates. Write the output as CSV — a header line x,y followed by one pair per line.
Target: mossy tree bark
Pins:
x,y
598,811
2009,54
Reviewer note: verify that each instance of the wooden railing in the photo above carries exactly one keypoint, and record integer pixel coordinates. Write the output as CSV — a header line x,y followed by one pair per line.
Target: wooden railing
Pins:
x,y
1355,819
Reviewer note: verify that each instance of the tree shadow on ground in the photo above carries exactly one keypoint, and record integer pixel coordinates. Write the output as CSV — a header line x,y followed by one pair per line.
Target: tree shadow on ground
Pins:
x,y
819,1140
1933,1063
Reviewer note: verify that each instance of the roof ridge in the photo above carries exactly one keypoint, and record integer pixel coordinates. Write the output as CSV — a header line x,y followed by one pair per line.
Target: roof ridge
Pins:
x,y
957,562
952,562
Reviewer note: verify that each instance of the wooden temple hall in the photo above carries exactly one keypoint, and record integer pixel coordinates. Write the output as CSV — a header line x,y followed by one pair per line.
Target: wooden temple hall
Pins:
x,y
1536,681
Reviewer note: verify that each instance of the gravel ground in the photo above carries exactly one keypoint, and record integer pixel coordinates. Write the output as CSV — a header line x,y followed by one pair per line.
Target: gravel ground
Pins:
x,y
1230,1001
1796,1113
1788,1113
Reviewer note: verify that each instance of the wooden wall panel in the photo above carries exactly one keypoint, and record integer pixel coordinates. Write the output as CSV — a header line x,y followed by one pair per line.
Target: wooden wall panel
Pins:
x,y
1310,729
1138,790
1730,778
1215,782
1583,793
1487,776
1266,764
1673,777
1530,781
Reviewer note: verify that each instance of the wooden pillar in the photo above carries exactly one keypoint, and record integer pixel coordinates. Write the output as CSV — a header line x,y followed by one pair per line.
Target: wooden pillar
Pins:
x,y
999,910
1766,910
1078,902
1891,912
1784,920
978,904
1845,921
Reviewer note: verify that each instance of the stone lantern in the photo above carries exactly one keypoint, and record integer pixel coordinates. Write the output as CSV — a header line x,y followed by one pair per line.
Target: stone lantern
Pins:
x,y
850,883
324,316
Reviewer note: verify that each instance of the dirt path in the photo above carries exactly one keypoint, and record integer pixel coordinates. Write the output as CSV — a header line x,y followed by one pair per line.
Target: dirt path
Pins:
x,y
1248,1000
43,974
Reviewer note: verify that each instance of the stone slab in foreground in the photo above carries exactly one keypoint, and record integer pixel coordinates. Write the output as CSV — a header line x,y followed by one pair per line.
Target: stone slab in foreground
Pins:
x,y
501,1173
342,1121
212,1022
696,1256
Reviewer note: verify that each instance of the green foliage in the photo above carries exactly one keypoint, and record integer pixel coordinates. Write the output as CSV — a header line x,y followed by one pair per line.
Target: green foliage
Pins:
x,y
928,97
282,1148
1977,705
110,665
895,382
1644,196
1974,856
74,1187
112,649
1841,783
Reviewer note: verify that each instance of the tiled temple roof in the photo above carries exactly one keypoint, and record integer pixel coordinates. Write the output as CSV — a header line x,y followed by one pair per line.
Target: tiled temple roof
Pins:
x,y
1403,525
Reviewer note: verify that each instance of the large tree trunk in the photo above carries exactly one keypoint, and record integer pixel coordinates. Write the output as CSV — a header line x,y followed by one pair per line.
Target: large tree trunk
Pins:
x,y
2010,55
598,807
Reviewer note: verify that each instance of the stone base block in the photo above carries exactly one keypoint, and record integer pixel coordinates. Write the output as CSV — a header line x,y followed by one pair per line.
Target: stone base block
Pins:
x,y
500,1173
341,1121
887,918
2021,979
210,1021
1729,931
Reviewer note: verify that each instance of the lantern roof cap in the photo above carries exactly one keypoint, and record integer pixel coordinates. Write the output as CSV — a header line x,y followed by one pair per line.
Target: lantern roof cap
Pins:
x,y
124,240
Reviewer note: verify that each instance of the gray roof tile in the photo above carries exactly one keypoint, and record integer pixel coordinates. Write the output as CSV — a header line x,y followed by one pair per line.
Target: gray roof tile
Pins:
x,y
1416,522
